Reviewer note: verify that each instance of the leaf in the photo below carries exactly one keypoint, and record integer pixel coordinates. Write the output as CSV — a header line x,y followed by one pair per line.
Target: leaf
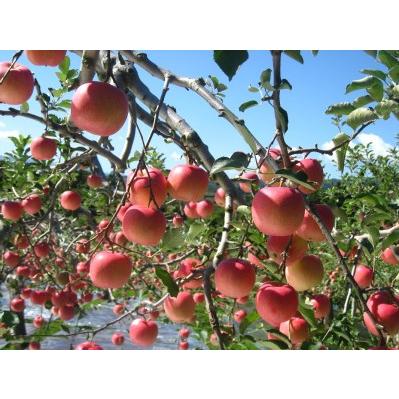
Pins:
x,y
238,160
273,344
372,53
340,109
295,55
285,84
364,83
24,107
253,89
230,60
298,177
360,116
173,238
244,210
283,118
374,235
390,239
265,79
387,59
362,100
385,107
247,105
249,319
167,281
375,72
376,91
315,52
308,313
10,319
394,73
341,152
195,230
395,91
64,66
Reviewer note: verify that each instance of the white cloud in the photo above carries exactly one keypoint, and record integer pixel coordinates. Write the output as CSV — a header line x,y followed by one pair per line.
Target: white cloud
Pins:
x,y
2,124
176,156
378,145
5,134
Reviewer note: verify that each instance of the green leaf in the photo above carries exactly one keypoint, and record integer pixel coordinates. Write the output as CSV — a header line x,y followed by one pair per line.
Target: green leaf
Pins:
x,y
283,118
362,100
340,109
375,72
395,92
385,107
394,73
273,344
167,281
374,235
390,239
296,177
265,79
10,319
230,60
285,84
195,230
376,91
341,152
24,107
247,105
238,160
64,66
295,55
364,83
244,210
173,238
360,116
253,89
308,313
387,59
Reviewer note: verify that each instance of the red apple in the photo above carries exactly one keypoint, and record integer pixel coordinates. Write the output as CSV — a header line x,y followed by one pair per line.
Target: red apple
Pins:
x,y
265,172
177,220
18,85
276,247
180,309
42,249
321,306
11,258
187,266
363,276
183,345
70,200
12,210
32,204
240,315
88,345
38,321
17,305
143,332
45,57
204,209
309,229
66,312
190,210
220,197
184,333
118,309
296,329
94,181
118,338
43,148
199,297
34,346
314,172
391,255
247,186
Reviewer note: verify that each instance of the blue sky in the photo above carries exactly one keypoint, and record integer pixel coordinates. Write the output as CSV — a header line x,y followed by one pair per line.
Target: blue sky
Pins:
x,y
319,82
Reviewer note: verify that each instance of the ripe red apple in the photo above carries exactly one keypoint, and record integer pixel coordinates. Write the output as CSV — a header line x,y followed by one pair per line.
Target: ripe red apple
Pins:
x,y
39,297
21,242
34,346
265,172
145,226
12,210
118,309
276,247
17,305
190,210
118,338
184,333
25,293
204,209
278,210
391,255
187,266
146,182
23,271
122,210
276,303
11,258
183,345
220,197
32,204
199,297
99,108
314,172
94,181
321,306
180,309
120,239
188,182
18,85
66,312
45,57
38,321
143,332
305,273
296,329
240,315
43,148
110,269
243,300
234,278
363,276
42,249
309,229
70,200
246,186
177,220
88,345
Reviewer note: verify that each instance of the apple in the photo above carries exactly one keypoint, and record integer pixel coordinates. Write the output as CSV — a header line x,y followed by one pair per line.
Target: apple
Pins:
x,y
66,312
99,108
183,345
276,247
240,315
234,278
220,197
122,210
247,186
276,302
25,292
187,266
190,210
110,269
17,305
243,300
70,200
184,333
34,346
143,332
309,229
120,239
143,184
118,309
265,172
118,338
23,271
11,258
38,321
39,297
188,182
181,308
88,345
43,148
145,226
18,85
32,204
82,246
390,255
12,210
204,209
321,306
296,329
177,220
41,249
278,211
314,172
94,181
363,276
305,273
45,57
21,242
199,297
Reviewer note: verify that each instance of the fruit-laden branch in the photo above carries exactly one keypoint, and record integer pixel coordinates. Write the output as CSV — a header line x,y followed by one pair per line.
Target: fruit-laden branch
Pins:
x,y
88,66
347,271
197,86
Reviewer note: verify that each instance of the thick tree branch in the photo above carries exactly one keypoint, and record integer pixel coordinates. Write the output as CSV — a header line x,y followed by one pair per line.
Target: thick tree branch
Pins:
x,y
88,66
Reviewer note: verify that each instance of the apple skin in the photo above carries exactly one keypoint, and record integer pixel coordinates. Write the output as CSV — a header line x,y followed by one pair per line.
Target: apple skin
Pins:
x,y
99,108
199,297
363,276
11,258
143,332
240,315
190,210
38,321
17,305
66,312
39,297
388,256
296,329
247,186
110,269
45,57
41,249
88,345
220,197
118,339
276,302
309,229
278,211
17,87
142,185
321,306
314,172
265,172
12,210
184,333
178,220
94,181
305,274
204,209
188,182
34,346
276,246
181,308
183,345
32,204
187,266
235,278
43,148
145,226
70,200
118,309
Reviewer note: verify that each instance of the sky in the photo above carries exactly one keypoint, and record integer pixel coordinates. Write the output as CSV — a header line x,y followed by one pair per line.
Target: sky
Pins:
x,y
316,84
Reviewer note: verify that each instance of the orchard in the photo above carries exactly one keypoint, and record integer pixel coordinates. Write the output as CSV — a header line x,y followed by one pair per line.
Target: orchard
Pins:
x,y
258,249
